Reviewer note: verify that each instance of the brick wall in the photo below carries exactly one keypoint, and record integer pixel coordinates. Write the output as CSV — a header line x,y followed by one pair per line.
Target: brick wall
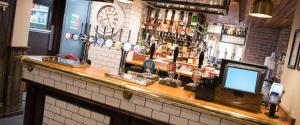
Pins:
x,y
283,41
261,42
110,58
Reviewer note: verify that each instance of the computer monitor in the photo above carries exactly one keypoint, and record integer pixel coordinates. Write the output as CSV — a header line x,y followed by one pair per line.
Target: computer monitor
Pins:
x,y
242,77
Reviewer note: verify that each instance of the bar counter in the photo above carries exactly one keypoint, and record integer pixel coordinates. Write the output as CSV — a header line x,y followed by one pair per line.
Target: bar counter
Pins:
x,y
126,98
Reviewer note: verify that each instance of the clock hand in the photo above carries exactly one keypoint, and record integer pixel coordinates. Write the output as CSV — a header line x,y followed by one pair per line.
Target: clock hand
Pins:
x,y
108,21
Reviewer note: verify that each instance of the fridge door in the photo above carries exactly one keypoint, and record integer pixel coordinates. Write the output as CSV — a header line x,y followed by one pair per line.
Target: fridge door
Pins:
x,y
41,14
76,14
41,32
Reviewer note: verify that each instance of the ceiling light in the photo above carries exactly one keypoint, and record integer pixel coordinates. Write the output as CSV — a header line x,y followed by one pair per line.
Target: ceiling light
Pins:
x,y
262,9
126,1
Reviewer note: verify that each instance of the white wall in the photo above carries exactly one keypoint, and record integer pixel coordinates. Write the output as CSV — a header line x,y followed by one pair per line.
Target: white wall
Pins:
x,y
291,78
21,23
110,58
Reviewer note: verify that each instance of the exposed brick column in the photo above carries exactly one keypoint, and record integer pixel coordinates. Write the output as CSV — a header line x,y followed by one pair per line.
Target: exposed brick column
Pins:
x,y
261,42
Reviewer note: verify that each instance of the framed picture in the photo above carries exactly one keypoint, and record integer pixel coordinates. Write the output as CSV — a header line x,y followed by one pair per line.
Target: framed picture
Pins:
x,y
294,54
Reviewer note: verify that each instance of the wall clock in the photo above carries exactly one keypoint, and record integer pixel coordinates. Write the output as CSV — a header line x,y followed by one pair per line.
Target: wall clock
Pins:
x,y
110,16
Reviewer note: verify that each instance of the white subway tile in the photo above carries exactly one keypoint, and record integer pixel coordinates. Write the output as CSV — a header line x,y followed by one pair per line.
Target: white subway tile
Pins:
x,y
49,82
88,121
227,122
59,118
48,114
100,123
106,120
160,116
98,97
45,120
72,108
127,106
72,89
77,117
139,100
112,102
97,117
79,83
119,95
92,87
153,104
66,113
38,79
61,104
171,109
52,122
191,122
55,109
85,112
70,122
189,114
35,71
44,73
143,110
85,93
50,100
47,106
79,123
67,80
55,76
60,85
178,120
28,75
107,91
211,120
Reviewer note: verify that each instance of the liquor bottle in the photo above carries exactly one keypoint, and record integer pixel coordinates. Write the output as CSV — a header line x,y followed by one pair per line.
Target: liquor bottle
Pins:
x,y
148,15
180,20
188,27
176,18
161,16
184,23
194,20
169,17
152,15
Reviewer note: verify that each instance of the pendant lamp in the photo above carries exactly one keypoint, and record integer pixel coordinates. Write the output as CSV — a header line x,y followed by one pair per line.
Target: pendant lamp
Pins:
x,y
262,9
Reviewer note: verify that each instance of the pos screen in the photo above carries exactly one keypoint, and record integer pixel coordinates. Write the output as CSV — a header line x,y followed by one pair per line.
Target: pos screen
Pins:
x,y
241,79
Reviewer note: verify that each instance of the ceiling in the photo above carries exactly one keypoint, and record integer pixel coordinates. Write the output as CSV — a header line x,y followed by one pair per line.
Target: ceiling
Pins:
x,y
283,14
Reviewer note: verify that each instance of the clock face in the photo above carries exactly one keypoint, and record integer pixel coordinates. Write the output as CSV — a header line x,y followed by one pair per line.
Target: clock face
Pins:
x,y
109,16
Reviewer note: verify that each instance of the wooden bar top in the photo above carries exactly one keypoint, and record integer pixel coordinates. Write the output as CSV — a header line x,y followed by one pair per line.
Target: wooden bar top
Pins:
x,y
167,93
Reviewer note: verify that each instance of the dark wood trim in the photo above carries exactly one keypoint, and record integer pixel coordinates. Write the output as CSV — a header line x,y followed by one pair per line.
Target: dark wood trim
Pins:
x,y
8,107
293,66
33,105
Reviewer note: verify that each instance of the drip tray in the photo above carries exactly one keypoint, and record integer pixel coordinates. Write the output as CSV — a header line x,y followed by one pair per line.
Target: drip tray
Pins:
x,y
64,61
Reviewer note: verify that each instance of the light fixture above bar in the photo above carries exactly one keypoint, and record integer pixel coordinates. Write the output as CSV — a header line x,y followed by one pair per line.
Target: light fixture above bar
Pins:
x,y
219,7
262,9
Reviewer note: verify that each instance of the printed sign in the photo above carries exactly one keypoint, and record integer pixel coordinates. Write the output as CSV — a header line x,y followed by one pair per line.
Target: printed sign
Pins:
x,y
74,22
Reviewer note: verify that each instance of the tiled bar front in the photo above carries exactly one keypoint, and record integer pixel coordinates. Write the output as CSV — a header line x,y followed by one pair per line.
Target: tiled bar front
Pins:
x,y
59,112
